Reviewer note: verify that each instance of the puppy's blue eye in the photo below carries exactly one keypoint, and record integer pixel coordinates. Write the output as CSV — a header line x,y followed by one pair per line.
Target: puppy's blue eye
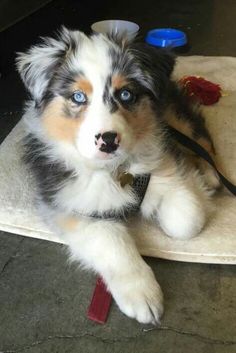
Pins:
x,y
79,97
126,95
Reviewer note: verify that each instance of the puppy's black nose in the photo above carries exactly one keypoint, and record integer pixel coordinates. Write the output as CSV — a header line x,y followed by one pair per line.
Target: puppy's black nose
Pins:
x,y
109,137
107,141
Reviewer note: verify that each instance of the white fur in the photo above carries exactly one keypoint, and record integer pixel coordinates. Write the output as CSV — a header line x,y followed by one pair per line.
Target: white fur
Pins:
x,y
97,191
107,248
179,205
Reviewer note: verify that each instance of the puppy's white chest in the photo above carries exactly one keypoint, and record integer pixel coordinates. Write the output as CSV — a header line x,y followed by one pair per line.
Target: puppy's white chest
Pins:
x,y
96,192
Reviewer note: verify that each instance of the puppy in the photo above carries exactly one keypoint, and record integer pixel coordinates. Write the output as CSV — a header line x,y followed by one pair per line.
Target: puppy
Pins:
x,y
98,145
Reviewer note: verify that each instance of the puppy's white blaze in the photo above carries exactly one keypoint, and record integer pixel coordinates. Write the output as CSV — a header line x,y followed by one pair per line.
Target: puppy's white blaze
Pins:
x,y
95,63
96,121
86,140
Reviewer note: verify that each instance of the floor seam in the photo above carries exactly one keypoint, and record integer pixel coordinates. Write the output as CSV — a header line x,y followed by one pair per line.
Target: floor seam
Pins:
x,y
12,257
193,334
123,339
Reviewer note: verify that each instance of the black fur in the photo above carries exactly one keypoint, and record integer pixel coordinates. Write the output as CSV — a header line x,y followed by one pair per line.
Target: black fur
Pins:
x,y
50,176
108,97
185,110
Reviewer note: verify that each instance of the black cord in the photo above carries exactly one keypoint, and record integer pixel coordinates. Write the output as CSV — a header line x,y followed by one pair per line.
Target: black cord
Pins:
x,y
200,151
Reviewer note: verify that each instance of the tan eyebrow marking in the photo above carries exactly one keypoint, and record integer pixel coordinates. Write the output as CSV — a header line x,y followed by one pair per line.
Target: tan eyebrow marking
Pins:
x,y
118,81
82,84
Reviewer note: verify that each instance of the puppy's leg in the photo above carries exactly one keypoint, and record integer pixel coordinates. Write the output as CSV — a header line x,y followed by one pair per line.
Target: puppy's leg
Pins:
x,y
181,213
107,248
179,206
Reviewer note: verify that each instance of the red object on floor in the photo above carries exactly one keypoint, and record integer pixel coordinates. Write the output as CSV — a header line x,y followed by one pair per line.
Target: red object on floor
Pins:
x,y
205,92
100,304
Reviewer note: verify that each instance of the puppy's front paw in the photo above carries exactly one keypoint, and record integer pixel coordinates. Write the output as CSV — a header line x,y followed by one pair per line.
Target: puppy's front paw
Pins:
x,y
139,296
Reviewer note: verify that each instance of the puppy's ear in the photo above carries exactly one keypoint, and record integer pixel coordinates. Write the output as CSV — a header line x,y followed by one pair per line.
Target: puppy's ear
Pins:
x,y
157,59
157,64
38,65
165,60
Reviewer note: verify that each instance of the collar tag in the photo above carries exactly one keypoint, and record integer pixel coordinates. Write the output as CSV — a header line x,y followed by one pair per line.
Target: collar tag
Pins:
x,y
126,178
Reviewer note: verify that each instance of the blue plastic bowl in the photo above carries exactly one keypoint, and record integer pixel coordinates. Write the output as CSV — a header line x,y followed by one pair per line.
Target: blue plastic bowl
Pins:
x,y
166,37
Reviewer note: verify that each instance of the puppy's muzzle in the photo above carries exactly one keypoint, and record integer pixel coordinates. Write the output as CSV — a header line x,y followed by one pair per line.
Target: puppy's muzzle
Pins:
x,y
107,142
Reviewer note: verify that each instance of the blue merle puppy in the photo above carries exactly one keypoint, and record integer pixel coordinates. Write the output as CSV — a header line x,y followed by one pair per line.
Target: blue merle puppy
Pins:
x,y
98,145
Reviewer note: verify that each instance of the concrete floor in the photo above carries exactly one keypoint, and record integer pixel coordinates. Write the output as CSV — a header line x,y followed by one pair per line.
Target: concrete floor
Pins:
x,y
43,300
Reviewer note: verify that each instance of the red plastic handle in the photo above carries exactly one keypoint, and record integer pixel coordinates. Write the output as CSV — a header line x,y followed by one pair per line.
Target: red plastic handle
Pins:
x,y
100,304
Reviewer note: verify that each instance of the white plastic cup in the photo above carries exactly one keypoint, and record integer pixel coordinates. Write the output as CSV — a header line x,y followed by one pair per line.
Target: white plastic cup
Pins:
x,y
130,29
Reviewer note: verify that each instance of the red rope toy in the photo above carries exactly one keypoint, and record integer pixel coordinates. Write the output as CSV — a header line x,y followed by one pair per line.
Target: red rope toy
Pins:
x,y
201,90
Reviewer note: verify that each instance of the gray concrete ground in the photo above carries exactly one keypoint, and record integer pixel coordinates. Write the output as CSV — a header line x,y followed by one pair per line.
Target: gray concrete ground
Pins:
x,y
44,302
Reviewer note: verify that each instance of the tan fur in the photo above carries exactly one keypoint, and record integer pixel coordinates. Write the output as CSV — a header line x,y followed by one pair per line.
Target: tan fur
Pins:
x,y
57,125
118,81
210,176
186,129
167,167
83,85
69,223
183,126
209,173
207,145
141,120
179,124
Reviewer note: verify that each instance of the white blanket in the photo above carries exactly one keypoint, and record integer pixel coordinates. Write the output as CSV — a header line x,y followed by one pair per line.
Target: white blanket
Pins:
x,y
216,243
